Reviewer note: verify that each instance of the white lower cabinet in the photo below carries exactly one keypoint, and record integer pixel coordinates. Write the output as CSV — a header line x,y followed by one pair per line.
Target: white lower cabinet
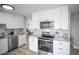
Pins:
x,y
61,47
21,40
33,44
3,45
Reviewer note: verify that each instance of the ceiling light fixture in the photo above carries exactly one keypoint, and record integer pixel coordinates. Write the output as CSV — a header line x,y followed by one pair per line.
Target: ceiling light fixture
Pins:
x,y
8,7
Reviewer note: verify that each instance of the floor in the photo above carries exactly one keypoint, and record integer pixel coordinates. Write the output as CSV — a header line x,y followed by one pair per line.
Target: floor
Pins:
x,y
74,51
23,50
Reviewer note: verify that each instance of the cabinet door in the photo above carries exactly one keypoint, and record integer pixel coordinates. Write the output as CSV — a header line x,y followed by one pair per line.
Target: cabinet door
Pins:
x,y
19,22
47,15
43,16
56,18
30,43
2,18
64,17
14,21
33,44
21,40
11,21
35,21
3,45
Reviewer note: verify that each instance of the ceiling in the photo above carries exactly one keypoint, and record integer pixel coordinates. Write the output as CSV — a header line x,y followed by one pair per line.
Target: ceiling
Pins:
x,y
27,9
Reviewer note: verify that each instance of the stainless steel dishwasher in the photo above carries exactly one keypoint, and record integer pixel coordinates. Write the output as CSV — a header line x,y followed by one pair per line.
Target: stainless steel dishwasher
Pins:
x,y
12,42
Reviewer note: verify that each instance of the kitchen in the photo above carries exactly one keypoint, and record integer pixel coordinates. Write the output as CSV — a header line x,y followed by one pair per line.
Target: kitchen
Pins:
x,y
40,31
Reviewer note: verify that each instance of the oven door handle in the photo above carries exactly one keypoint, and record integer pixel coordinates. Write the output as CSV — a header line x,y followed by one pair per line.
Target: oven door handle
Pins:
x,y
47,40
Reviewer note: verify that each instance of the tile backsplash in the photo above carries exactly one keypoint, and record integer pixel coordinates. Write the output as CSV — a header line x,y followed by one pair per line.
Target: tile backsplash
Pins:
x,y
61,33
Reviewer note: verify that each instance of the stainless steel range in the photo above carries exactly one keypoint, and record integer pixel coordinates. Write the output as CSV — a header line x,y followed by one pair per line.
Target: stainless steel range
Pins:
x,y
45,43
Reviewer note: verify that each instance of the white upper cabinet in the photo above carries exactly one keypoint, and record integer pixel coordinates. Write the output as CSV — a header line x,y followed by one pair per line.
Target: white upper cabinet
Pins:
x,y
58,15
19,21
61,19
47,15
34,23
3,18
56,18
64,17
11,20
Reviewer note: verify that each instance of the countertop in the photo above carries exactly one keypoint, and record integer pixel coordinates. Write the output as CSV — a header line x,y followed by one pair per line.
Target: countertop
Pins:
x,y
13,35
3,38
34,35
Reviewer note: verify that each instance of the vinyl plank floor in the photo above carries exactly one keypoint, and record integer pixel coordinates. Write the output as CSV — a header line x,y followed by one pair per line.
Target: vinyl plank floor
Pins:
x,y
23,50
74,51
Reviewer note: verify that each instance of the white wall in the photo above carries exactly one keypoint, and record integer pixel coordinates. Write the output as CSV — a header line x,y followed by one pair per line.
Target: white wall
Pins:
x,y
75,30
26,23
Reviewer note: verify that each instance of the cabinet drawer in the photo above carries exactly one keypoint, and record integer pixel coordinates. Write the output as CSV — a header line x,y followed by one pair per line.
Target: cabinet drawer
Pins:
x,y
59,43
61,47
60,50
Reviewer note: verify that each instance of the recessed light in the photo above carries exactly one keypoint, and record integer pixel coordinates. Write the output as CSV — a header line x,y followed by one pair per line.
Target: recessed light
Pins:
x,y
8,7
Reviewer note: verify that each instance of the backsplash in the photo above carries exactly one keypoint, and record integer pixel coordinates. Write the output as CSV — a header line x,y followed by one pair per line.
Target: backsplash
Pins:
x,y
16,31
61,34
36,32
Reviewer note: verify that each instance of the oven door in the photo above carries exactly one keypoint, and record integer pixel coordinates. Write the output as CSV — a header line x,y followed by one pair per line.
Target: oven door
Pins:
x,y
45,45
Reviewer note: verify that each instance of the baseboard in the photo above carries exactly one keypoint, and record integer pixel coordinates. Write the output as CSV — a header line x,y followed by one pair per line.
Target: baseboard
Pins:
x,y
76,47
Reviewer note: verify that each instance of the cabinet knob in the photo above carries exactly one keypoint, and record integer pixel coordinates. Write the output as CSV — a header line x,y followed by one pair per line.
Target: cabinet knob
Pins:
x,y
60,48
60,43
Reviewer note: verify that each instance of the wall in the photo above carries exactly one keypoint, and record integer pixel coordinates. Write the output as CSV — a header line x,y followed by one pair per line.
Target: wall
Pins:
x,y
25,23
26,26
75,30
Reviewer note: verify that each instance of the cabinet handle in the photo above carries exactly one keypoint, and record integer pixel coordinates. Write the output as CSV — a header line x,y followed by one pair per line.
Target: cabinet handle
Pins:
x,y
60,48
60,43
